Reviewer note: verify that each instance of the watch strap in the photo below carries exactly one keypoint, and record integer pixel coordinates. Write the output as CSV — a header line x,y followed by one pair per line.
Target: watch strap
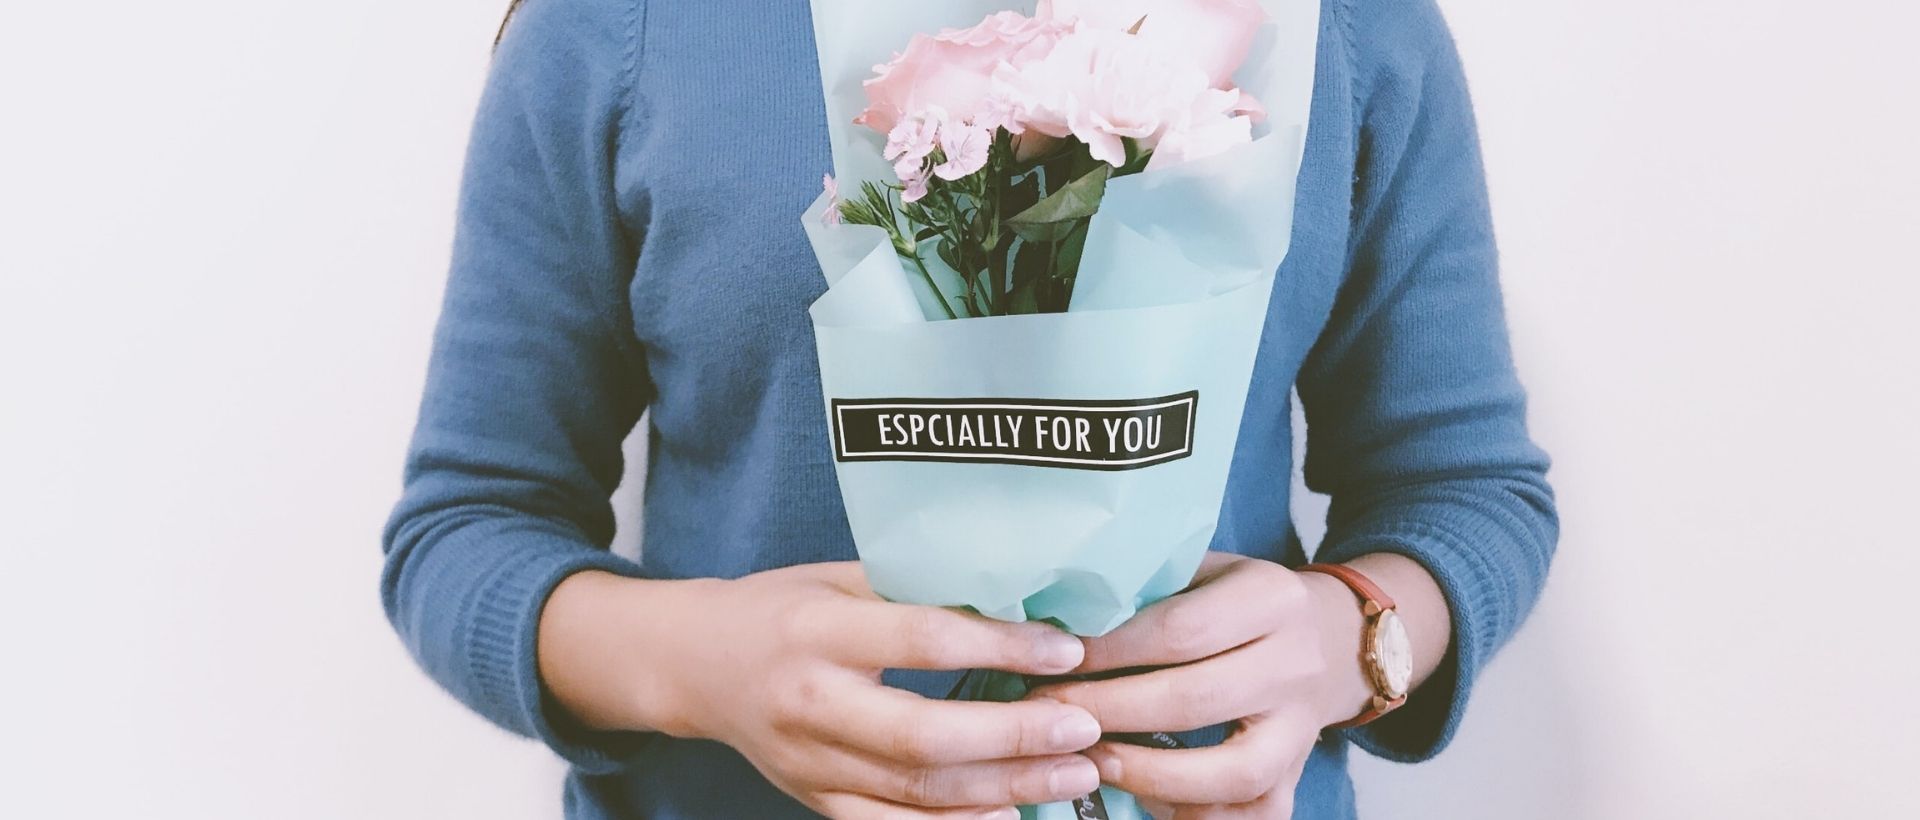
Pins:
x,y
1373,601
1376,709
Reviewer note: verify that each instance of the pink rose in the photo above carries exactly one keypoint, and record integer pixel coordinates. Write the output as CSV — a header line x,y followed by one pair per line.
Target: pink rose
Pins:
x,y
1214,35
953,71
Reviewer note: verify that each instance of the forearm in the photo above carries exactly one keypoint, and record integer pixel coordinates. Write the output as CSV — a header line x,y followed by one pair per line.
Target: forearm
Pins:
x,y
1486,541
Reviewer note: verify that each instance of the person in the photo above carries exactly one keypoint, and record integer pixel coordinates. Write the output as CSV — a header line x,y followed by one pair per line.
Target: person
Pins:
x,y
629,243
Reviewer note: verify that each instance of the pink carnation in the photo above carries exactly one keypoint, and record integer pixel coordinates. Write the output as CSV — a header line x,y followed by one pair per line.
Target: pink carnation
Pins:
x,y
1214,35
966,148
1105,86
916,186
912,141
1213,125
832,187
1158,73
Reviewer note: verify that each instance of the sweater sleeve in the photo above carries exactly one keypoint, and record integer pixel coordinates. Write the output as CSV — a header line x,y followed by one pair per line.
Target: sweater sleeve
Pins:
x,y
536,377
1416,420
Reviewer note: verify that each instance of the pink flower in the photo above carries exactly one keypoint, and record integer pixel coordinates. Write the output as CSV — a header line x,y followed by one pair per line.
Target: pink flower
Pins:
x,y
910,145
1120,76
1214,35
1213,125
916,187
966,148
1104,87
912,141
1026,37
832,187
953,70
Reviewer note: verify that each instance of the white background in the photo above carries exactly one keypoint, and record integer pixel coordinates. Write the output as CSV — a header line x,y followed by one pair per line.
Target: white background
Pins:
x,y
223,230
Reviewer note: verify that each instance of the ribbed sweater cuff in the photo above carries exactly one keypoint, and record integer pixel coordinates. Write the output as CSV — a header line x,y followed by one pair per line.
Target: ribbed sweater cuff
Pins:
x,y
504,622
1458,547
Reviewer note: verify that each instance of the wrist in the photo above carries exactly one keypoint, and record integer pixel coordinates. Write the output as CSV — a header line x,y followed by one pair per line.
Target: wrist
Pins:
x,y
602,647
1345,690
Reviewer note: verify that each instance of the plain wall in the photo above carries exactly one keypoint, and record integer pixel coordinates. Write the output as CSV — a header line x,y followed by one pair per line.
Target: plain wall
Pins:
x,y
223,232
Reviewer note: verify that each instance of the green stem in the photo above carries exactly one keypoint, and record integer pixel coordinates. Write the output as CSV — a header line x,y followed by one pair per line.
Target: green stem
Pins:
x,y
902,244
962,238
928,275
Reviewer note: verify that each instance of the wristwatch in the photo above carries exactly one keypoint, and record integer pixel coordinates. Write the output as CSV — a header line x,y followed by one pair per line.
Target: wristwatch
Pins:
x,y
1386,655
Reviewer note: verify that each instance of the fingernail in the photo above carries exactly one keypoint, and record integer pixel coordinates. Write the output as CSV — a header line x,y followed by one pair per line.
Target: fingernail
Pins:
x,y
1075,732
1008,813
1073,779
1058,650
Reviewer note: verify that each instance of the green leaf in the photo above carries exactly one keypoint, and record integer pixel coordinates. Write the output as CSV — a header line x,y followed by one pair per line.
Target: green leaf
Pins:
x,y
949,255
1137,158
1024,300
1052,218
918,213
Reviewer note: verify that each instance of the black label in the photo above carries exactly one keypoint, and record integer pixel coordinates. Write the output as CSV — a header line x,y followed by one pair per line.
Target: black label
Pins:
x,y
1076,435
1091,807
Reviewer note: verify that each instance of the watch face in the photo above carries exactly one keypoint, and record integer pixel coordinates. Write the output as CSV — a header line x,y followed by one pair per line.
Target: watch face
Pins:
x,y
1393,654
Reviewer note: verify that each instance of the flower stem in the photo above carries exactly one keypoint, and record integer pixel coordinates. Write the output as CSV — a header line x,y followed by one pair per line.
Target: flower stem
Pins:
x,y
911,250
928,275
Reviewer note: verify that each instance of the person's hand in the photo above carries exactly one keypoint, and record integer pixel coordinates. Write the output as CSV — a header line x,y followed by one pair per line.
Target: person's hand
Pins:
x,y
1273,652
784,666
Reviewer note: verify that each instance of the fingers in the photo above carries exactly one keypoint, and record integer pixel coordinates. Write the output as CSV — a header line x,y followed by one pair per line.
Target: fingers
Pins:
x,y
880,635
1027,781
899,725
1232,601
1264,756
1217,690
845,576
1019,782
1154,809
1276,805
843,806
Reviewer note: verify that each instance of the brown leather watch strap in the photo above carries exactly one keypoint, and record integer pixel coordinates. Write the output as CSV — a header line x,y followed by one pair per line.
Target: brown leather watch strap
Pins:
x,y
1373,601
1375,711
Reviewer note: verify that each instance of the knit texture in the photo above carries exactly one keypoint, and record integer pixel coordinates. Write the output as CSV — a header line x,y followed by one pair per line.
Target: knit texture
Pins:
x,y
629,240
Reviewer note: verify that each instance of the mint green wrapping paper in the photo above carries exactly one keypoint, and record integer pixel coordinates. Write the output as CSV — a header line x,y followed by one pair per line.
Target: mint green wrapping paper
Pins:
x,y
1171,299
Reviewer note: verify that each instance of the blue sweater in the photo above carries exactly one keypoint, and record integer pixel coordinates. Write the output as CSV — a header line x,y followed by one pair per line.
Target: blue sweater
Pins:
x,y
629,240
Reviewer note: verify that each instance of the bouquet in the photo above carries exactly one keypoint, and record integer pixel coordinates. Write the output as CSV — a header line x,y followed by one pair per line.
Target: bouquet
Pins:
x,y
1050,237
